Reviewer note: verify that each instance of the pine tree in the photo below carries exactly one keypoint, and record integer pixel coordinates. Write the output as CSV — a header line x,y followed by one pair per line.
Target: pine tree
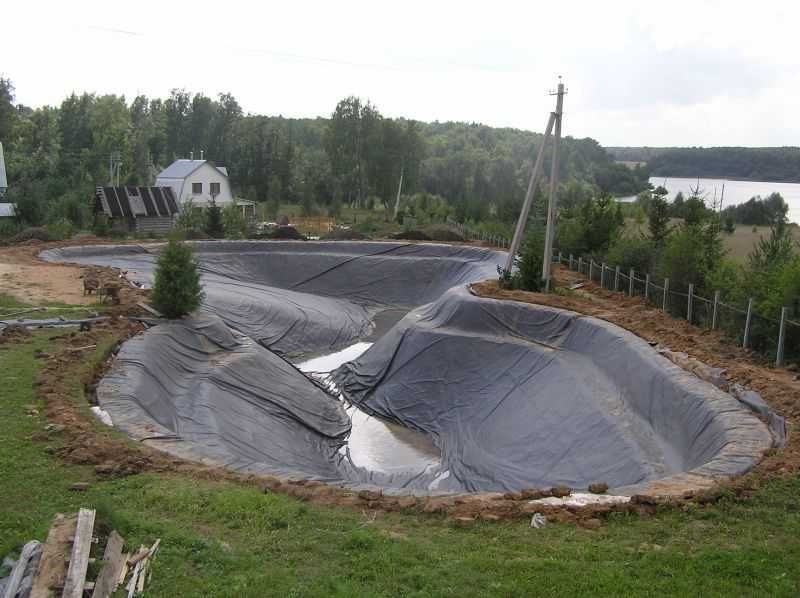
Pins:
x,y
214,227
177,290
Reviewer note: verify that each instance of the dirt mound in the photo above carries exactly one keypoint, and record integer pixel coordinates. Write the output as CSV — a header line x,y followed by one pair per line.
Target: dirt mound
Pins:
x,y
287,232
34,234
411,235
13,333
344,234
446,235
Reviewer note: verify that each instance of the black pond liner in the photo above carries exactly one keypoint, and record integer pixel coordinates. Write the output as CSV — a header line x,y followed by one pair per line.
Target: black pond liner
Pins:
x,y
514,395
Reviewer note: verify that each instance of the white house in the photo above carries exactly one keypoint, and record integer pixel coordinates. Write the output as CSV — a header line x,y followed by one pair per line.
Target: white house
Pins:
x,y
197,181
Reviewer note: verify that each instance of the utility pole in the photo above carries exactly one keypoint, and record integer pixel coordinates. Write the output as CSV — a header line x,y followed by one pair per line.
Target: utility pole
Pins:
x,y
399,189
554,121
551,207
114,163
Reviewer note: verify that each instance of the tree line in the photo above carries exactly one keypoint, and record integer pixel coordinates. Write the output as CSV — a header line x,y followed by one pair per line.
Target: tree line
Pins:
x,y
56,155
775,164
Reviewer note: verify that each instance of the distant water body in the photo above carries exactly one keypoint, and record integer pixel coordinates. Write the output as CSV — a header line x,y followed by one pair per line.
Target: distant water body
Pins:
x,y
736,192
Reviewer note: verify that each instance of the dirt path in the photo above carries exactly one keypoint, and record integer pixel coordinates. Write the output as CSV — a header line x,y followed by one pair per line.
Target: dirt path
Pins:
x,y
31,280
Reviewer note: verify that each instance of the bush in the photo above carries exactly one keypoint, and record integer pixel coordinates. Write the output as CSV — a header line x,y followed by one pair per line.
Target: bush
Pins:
x,y
236,227
60,230
528,273
177,290
213,224
632,252
411,235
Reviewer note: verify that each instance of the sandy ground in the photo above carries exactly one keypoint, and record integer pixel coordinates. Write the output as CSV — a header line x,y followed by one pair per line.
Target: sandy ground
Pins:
x,y
25,277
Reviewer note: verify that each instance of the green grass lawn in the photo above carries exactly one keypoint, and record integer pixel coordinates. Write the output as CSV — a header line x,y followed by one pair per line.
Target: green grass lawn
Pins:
x,y
224,539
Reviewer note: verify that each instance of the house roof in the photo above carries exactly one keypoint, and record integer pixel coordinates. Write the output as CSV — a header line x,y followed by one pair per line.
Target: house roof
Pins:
x,y
7,210
3,180
135,202
180,169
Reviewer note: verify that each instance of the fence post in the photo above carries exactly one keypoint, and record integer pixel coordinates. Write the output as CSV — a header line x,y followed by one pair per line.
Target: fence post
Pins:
x,y
591,269
560,256
580,264
570,261
748,319
666,294
781,337
716,311
689,304
646,287
616,278
603,275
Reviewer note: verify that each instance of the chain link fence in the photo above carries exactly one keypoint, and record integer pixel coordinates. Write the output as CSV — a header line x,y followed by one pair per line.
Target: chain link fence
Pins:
x,y
777,338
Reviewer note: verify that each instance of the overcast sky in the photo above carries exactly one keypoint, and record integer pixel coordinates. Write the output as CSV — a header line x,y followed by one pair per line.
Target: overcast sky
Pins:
x,y
638,73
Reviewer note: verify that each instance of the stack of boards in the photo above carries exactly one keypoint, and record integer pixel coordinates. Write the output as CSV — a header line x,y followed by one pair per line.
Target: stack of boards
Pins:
x,y
60,566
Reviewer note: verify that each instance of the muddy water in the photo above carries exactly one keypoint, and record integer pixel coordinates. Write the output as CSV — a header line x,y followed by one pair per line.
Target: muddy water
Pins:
x,y
375,444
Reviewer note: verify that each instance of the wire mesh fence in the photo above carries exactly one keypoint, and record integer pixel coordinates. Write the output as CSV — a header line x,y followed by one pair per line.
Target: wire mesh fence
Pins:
x,y
777,338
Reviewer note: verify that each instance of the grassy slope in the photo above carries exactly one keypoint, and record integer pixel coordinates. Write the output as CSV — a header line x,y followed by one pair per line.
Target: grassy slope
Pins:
x,y
221,539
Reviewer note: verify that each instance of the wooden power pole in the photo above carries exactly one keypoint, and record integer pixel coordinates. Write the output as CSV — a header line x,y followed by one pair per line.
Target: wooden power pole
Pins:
x,y
553,121
547,261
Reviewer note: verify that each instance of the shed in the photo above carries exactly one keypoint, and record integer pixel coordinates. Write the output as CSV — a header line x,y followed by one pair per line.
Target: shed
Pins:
x,y
137,209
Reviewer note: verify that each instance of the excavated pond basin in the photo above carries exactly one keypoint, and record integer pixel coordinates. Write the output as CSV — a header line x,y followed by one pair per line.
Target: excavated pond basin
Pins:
x,y
460,394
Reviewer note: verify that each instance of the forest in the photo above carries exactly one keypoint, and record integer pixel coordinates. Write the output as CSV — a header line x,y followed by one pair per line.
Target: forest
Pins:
x,y
56,155
774,164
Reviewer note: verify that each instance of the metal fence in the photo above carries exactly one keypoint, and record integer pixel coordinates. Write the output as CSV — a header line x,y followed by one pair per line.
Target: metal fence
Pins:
x,y
475,235
774,337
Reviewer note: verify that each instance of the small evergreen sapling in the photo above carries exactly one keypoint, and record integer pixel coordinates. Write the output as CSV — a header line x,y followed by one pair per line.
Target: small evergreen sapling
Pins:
x,y
177,290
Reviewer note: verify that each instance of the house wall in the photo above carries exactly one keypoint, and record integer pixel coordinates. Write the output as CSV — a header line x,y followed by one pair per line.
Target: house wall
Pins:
x,y
205,175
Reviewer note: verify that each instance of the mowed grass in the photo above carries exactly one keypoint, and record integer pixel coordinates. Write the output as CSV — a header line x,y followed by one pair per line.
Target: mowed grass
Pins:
x,y
225,539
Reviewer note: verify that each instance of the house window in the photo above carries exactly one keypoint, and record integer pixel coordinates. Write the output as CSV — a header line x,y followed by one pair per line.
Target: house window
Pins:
x,y
214,189
197,188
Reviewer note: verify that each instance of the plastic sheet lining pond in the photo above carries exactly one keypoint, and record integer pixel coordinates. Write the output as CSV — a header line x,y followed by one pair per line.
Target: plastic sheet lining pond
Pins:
x,y
513,395
296,297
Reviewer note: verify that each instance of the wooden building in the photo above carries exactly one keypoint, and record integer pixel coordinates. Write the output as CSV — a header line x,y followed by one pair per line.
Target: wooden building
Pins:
x,y
137,209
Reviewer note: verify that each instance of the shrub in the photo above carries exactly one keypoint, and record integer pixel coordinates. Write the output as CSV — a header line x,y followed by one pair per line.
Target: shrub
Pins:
x,y
177,290
528,273
632,252
411,235
60,229
236,227
213,225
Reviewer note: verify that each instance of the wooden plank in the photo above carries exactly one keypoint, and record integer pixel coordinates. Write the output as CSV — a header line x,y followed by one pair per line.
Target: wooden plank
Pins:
x,y
51,571
106,581
123,572
18,572
79,559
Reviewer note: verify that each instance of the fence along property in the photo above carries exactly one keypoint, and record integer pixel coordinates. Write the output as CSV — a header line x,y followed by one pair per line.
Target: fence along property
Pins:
x,y
773,337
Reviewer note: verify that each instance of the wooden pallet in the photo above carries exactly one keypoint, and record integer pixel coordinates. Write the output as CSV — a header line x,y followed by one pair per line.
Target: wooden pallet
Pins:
x,y
66,556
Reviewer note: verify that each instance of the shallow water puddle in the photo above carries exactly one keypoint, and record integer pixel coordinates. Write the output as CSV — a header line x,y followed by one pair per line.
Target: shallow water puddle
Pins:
x,y
375,444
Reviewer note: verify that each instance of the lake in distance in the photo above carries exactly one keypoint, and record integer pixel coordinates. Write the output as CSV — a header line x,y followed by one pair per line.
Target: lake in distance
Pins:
x,y
736,192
